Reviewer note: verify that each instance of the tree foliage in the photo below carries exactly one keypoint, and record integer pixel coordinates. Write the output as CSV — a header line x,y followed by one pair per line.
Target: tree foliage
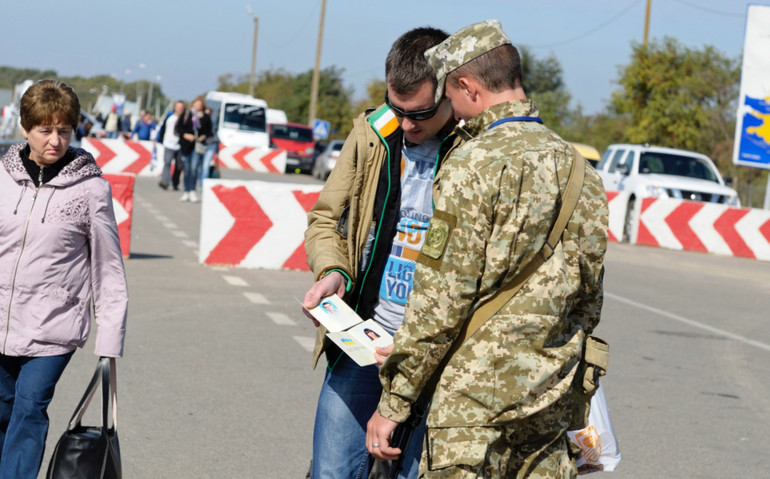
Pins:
x,y
88,89
678,97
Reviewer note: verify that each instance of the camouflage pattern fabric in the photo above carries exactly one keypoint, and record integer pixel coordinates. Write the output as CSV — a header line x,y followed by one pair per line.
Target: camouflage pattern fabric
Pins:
x,y
497,196
462,47
494,453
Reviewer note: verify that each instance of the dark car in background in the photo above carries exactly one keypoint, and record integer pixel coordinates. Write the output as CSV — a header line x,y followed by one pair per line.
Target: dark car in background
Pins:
x,y
297,140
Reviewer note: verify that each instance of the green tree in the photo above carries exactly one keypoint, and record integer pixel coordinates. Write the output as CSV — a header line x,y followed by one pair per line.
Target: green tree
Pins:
x,y
291,93
678,97
543,81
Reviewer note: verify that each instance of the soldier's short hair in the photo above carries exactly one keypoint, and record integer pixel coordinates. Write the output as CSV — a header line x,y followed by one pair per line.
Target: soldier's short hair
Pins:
x,y
47,102
406,68
484,49
498,69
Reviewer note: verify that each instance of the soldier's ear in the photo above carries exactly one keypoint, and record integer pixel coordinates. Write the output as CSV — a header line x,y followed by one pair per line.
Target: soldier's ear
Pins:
x,y
468,87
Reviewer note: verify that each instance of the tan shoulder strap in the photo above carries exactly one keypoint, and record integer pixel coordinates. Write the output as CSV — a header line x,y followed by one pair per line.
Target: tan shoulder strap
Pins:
x,y
488,309
504,294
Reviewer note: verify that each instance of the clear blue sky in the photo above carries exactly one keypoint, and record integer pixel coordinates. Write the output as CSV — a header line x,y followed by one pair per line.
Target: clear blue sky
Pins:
x,y
189,43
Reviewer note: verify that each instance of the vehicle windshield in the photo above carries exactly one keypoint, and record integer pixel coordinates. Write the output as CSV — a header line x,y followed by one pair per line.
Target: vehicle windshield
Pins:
x,y
294,133
676,165
244,117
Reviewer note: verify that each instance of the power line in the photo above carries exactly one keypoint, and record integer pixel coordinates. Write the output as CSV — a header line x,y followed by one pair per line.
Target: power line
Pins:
x,y
589,32
710,10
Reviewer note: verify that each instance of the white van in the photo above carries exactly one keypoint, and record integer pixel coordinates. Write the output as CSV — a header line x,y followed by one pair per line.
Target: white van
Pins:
x,y
275,116
239,119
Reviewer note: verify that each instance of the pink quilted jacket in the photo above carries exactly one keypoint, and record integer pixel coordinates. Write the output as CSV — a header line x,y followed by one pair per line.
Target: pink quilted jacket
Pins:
x,y
59,252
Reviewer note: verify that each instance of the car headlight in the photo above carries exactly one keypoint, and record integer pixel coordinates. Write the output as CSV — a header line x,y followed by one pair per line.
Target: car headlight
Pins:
x,y
309,150
655,191
732,200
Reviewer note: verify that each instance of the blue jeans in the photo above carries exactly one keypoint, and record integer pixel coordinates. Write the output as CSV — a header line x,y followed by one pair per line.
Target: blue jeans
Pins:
x,y
211,150
348,398
192,169
26,389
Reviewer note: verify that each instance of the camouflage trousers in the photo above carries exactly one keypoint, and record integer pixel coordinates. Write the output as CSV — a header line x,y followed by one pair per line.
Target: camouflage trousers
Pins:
x,y
492,453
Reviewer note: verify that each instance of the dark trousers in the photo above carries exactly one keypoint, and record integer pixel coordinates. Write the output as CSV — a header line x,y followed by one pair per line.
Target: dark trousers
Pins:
x,y
26,388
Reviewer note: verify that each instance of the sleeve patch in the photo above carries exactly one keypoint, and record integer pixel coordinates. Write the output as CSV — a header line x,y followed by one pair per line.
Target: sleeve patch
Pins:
x,y
439,230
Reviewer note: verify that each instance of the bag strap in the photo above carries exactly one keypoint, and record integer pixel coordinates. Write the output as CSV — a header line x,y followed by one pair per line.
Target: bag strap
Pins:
x,y
106,372
503,295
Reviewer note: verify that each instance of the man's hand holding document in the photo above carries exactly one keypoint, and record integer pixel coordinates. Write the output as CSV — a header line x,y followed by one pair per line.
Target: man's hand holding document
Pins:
x,y
356,337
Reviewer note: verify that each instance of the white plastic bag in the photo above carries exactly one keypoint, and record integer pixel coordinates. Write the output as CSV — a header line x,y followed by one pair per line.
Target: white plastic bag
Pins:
x,y
598,439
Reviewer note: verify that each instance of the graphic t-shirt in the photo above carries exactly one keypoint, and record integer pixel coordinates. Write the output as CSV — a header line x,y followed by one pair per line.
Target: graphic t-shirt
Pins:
x,y
418,164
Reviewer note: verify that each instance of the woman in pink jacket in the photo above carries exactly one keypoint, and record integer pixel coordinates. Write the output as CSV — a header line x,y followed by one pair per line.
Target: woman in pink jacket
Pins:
x,y
59,254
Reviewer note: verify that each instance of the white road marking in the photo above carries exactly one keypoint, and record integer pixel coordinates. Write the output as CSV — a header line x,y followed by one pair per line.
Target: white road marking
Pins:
x,y
190,243
306,342
690,322
234,280
179,234
256,298
281,319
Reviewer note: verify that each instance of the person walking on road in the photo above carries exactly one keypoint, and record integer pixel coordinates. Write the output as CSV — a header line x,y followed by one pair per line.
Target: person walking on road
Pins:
x,y
144,127
112,123
508,395
59,258
170,141
193,130
363,236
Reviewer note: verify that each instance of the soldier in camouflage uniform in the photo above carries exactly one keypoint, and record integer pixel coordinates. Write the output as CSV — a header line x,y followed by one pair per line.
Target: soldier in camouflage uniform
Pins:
x,y
507,397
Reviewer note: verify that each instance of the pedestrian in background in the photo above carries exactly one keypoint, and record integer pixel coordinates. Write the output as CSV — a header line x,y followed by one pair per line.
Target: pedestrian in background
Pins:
x,y
59,259
112,123
507,397
212,147
193,130
144,126
363,235
170,141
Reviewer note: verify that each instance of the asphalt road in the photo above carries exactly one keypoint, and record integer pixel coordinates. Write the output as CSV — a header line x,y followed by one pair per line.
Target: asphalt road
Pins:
x,y
217,383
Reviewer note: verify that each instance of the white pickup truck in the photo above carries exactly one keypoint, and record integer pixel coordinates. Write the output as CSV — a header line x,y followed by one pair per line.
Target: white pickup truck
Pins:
x,y
643,171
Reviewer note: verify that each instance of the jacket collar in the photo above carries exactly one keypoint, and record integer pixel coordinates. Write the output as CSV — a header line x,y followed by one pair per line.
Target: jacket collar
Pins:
x,y
481,122
74,166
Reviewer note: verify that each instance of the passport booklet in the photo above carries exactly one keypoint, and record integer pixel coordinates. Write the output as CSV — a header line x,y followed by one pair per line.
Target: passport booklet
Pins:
x,y
356,337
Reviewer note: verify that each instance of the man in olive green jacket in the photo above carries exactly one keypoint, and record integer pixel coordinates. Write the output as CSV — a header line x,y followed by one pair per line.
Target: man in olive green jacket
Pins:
x,y
363,237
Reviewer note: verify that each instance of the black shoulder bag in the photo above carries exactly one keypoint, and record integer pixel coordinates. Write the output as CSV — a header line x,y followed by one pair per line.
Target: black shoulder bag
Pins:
x,y
91,452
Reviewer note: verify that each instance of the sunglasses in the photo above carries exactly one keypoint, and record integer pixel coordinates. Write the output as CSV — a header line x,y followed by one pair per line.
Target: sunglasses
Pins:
x,y
420,115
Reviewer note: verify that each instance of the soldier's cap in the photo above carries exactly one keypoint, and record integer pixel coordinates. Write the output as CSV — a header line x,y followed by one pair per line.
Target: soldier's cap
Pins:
x,y
462,47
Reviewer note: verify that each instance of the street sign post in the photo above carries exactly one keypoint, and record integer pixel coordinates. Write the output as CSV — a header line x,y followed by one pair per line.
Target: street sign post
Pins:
x,y
321,129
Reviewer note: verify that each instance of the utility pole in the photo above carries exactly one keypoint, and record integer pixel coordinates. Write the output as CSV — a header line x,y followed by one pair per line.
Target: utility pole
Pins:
x,y
314,88
253,51
647,22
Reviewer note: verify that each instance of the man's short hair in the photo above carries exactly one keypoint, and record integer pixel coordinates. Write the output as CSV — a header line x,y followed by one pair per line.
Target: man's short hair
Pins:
x,y
47,102
496,70
471,43
406,68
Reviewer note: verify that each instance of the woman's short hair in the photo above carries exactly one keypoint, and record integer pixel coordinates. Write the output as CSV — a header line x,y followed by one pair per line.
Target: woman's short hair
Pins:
x,y
47,102
498,69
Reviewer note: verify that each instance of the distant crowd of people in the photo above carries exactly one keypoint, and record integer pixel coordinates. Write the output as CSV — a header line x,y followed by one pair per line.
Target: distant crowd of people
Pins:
x,y
188,137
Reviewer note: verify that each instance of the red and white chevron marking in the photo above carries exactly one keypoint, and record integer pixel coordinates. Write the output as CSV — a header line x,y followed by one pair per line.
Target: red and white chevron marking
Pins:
x,y
264,160
706,227
255,224
617,203
122,185
124,156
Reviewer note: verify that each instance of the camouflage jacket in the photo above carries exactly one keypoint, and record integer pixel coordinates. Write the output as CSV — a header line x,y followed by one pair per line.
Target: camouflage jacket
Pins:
x,y
496,198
